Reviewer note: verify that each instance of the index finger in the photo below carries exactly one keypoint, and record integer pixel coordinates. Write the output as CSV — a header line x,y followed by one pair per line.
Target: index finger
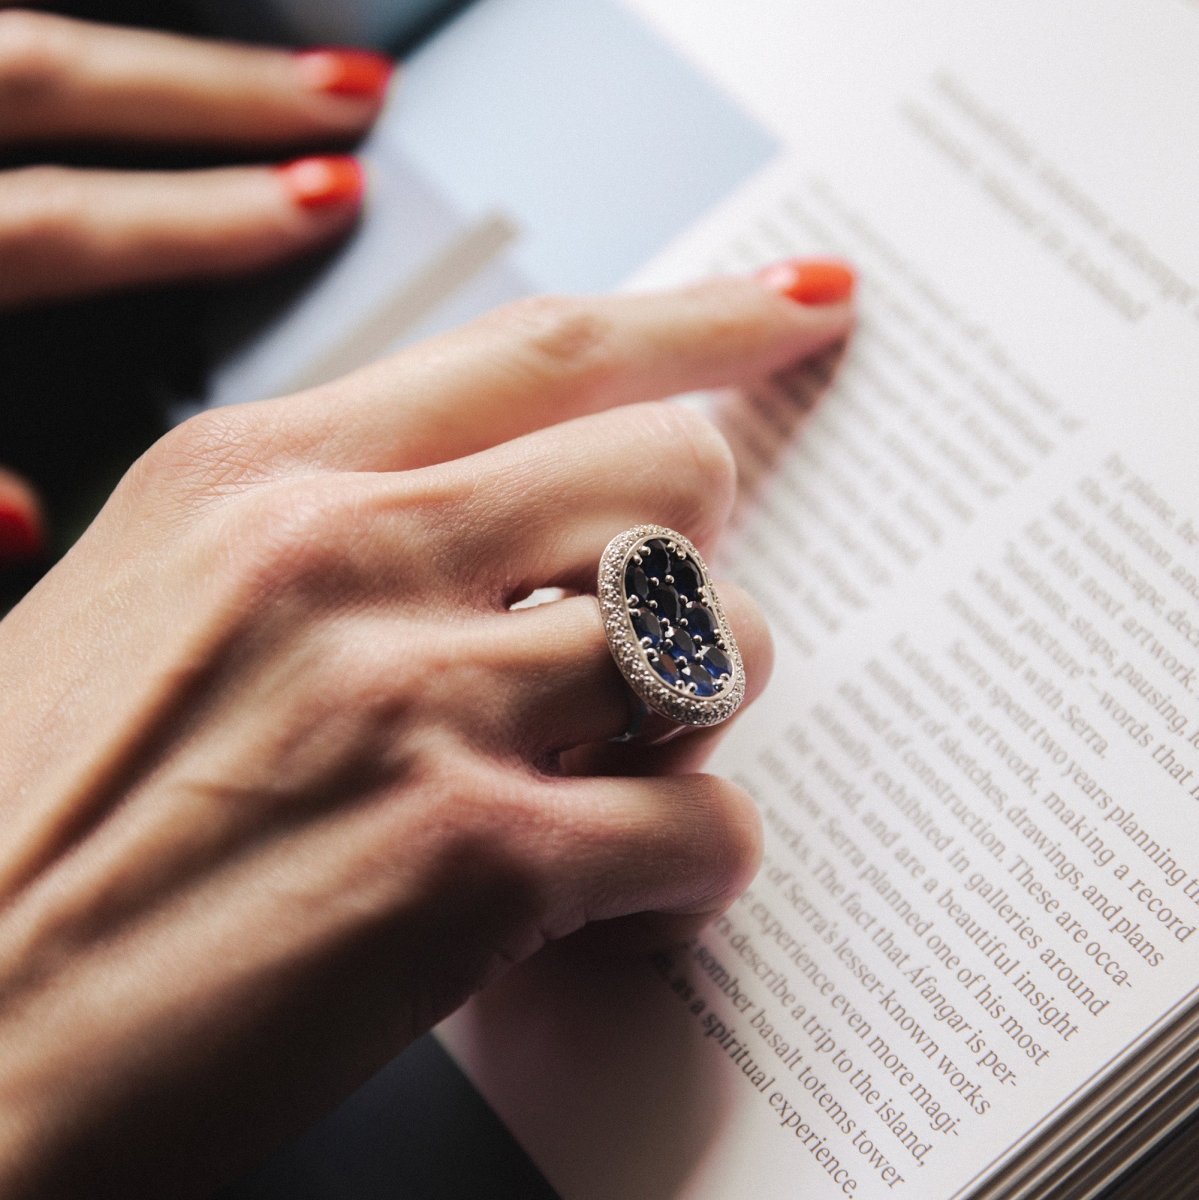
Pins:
x,y
62,78
539,362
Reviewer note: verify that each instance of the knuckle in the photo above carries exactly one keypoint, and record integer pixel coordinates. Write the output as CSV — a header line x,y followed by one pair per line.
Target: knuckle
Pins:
x,y
291,538
700,453
283,551
563,337
735,844
34,56
501,805
214,452
485,814
360,689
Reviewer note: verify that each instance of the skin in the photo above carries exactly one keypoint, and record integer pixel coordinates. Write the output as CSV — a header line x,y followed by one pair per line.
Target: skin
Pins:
x,y
69,232
284,779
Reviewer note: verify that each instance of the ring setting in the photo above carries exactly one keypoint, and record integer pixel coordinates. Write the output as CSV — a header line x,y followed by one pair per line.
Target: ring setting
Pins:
x,y
666,628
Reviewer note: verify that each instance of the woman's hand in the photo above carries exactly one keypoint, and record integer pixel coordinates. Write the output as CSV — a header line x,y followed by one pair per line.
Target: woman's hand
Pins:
x,y
71,232
66,232
280,771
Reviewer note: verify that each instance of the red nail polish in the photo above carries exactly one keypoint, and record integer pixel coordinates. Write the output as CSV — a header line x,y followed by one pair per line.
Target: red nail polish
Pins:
x,y
810,281
20,533
323,182
345,72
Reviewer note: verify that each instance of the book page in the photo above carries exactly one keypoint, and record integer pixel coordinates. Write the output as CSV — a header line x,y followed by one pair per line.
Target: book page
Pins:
x,y
977,537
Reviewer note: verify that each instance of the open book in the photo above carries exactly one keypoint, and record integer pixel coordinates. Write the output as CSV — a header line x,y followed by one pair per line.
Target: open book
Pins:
x,y
969,966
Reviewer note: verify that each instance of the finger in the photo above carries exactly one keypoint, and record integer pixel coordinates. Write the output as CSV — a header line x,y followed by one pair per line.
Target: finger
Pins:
x,y
679,844
538,511
679,756
632,938
22,530
61,78
567,690
538,362
70,232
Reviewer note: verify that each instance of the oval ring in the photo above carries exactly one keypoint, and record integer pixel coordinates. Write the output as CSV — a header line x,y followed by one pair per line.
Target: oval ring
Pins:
x,y
666,627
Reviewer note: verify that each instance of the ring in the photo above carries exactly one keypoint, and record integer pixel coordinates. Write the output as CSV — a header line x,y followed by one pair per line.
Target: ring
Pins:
x,y
667,631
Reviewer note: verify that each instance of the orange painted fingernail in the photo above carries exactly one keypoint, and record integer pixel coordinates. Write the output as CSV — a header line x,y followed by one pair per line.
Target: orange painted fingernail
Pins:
x,y
345,72
323,182
20,533
810,281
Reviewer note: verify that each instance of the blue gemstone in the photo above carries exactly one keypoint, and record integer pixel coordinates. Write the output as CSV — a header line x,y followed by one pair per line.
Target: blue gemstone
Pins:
x,y
655,560
702,681
667,669
647,625
686,578
716,661
683,643
701,624
668,603
635,582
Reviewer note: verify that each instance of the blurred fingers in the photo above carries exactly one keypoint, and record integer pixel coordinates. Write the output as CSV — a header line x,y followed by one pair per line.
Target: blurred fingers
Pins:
x,y
61,78
66,232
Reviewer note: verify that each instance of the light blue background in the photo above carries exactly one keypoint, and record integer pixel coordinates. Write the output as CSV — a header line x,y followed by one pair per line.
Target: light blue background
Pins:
x,y
580,122
570,119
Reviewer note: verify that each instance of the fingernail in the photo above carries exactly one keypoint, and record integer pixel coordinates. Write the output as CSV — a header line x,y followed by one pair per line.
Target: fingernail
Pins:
x,y
323,182
20,533
345,72
810,281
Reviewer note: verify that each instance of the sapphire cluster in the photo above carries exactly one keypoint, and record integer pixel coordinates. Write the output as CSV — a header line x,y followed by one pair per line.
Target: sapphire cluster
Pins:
x,y
672,616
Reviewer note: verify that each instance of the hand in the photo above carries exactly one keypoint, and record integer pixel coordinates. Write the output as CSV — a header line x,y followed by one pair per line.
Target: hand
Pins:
x,y
66,232
69,232
281,773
